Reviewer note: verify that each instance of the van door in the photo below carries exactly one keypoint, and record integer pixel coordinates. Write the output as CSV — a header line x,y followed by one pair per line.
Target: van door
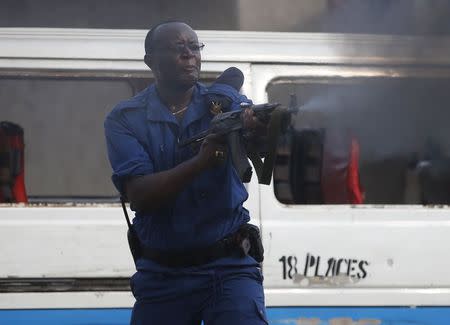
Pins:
x,y
385,252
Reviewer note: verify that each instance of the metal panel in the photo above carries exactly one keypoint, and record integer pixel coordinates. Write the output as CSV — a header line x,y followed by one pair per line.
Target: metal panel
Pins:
x,y
274,298
64,241
117,48
263,74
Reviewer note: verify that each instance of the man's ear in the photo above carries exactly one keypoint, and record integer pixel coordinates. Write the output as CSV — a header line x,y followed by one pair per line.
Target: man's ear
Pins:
x,y
148,60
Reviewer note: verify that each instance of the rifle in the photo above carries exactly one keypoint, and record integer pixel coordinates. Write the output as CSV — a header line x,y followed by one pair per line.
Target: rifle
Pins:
x,y
230,124
225,123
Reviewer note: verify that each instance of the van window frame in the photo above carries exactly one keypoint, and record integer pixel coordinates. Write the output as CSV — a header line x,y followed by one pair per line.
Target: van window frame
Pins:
x,y
263,75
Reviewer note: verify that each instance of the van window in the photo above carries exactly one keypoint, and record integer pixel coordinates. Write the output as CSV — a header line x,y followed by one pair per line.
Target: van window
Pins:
x,y
400,124
62,115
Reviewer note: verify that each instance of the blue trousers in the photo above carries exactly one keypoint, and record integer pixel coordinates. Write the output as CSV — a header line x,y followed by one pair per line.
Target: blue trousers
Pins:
x,y
219,296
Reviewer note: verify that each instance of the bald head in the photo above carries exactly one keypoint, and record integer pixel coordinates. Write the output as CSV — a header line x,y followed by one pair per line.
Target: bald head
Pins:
x,y
154,34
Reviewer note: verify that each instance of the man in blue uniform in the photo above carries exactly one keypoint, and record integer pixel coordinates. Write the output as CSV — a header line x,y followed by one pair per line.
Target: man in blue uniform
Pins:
x,y
188,205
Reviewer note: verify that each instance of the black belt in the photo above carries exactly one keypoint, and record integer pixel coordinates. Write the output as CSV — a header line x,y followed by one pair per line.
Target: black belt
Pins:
x,y
245,241
194,257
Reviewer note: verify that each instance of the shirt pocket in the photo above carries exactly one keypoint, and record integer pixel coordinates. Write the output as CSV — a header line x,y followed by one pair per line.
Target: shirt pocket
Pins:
x,y
160,147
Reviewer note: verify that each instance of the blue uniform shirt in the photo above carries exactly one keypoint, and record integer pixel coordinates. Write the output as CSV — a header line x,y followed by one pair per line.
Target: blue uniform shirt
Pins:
x,y
142,138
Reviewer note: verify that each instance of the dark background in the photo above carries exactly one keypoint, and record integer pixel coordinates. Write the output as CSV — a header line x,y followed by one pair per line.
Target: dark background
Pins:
x,y
415,17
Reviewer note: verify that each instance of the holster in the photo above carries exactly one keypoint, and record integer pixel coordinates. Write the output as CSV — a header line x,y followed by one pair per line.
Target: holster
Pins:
x,y
134,243
133,239
249,242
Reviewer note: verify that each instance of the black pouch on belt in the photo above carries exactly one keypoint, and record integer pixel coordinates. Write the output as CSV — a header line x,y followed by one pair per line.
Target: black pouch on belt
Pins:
x,y
250,242
133,239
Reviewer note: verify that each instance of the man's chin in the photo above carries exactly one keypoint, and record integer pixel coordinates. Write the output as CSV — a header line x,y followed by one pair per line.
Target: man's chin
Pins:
x,y
182,83
187,83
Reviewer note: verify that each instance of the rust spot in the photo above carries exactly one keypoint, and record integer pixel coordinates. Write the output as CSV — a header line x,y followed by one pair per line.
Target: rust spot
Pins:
x,y
333,321
308,321
350,321
321,281
61,205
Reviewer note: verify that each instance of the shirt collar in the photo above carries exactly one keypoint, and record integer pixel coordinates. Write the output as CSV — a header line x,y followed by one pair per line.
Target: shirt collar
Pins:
x,y
197,108
156,110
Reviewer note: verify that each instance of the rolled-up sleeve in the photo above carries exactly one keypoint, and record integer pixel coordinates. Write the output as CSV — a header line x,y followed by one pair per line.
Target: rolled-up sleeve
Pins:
x,y
126,154
231,93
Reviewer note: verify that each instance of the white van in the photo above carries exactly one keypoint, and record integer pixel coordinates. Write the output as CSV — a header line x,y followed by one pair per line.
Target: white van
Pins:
x,y
64,257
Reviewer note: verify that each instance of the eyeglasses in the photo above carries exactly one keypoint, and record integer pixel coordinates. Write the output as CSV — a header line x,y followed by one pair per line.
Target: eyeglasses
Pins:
x,y
180,48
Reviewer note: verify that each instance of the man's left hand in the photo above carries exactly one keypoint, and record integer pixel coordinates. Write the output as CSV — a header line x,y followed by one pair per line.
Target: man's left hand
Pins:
x,y
252,123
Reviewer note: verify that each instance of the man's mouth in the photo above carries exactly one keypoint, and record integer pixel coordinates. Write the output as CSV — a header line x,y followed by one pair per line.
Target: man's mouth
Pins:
x,y
190,68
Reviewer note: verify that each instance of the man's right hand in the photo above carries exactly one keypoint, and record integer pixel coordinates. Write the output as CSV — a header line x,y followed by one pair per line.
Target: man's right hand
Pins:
x,y
213,151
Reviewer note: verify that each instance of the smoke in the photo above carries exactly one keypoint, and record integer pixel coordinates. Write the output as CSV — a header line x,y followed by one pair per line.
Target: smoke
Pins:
x,y
392,118
410,17
397,121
